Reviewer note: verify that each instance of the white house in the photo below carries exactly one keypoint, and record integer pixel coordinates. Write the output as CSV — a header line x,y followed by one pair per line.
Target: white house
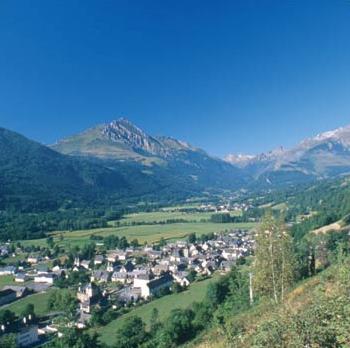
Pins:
x,y
45,278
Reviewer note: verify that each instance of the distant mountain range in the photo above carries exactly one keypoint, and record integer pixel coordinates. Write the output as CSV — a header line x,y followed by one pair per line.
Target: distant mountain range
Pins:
x,y
118,160
324,156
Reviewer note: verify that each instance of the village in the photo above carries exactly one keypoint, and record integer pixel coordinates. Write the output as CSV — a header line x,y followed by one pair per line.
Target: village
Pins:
x,y
115,278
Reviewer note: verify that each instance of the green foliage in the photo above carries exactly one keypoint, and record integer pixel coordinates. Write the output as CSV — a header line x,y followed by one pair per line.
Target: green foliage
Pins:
x,y
28,310
7,316
179,327
74,338
131,334
64,301
8,341
273,268
192,238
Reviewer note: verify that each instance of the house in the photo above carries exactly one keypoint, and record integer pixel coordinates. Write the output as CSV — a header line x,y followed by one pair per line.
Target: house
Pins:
x,y
21,291
151,287
45,278
85,264
120,277
20,277
98,260
158,284
128,294
160,268
4,251
60,273
100,276
8,270
154,255
181,278
7,296
32,259
229,254
121,255
42,268
128,267
112,256
111,268
27,336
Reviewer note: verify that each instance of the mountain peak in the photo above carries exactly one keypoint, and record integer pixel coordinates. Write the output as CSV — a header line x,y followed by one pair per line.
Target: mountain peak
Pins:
x,y
124,131
341,134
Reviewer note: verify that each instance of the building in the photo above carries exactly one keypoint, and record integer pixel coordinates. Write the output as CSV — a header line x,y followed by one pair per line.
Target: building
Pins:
x,y
20,277
33,259
98,260
87,292
45,278
85,264
8,270
42,268
7,296
100,276
27,336
181,278
120,277
21,291
152,287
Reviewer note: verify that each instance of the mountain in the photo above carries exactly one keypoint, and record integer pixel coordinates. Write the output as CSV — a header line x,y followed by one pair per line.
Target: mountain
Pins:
x,y
323,156
32,176
164,158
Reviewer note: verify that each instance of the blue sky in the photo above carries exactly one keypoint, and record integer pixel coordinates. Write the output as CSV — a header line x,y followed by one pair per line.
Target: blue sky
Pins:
x,y
228,76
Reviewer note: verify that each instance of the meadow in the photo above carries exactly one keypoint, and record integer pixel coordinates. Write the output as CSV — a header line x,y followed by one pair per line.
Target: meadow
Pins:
x,y
148,227
143,233
164,215
40,302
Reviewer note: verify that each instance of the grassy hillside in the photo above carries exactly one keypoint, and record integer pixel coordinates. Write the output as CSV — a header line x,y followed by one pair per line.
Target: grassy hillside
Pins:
x,y
164,305
315,312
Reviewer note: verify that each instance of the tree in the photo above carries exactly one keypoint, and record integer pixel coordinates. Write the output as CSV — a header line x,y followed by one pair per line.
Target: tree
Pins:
x,y
8,341
134,243
177,288
74,338
192,238
64,301
28,311
179,326
7,317
50,242
273,267
155,324
131,333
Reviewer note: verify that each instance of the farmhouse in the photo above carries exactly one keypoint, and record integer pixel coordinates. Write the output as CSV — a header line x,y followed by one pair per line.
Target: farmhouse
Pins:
x,y
7,296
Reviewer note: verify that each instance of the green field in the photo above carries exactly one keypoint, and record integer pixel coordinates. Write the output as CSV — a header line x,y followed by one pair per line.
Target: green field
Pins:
x,y
153,233
38,300
6,280
144,233
195,293
164,215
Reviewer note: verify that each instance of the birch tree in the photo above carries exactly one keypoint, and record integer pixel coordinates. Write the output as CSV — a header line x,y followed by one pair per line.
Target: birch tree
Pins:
x,y
273,266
